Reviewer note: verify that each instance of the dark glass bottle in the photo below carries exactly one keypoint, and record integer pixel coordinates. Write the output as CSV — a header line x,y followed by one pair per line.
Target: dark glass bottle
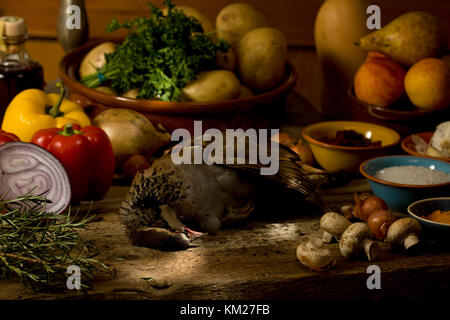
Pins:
x,y
17,71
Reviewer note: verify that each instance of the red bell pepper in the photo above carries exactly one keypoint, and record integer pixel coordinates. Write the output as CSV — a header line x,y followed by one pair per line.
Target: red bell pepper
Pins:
x,y
86,154
7,137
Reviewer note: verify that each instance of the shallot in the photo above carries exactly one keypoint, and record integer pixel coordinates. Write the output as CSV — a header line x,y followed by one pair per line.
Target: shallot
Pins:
x,y
27,169
379,222
363,209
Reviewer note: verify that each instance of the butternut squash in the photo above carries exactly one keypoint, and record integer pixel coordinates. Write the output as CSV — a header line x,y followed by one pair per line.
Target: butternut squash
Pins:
x,y
339,24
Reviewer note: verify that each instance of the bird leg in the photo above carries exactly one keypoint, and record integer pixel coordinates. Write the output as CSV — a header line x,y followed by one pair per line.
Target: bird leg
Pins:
x,y
169,215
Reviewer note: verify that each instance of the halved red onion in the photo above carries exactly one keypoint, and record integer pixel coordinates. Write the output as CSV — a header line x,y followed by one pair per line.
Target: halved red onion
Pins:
x,y
26,168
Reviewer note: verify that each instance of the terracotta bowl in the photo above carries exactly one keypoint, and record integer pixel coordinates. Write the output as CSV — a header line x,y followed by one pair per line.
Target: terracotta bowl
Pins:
x,y
264,110
409,146
403,116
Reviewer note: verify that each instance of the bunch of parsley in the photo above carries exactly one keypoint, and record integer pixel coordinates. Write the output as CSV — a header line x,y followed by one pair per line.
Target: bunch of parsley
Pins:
x,y
160,55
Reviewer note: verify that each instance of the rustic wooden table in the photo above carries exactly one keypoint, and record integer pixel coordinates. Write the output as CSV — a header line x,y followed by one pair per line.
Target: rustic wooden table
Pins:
x,y
254,261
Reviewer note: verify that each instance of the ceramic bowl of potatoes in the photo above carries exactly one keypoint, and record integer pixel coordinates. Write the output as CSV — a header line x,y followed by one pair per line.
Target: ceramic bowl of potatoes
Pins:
x,y
227,73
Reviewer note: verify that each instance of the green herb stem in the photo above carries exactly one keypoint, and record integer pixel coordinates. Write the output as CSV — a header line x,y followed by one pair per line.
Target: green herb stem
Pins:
x,y
37,246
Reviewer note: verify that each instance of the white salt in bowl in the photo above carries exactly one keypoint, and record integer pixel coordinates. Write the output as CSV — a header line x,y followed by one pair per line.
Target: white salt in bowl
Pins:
x,y
423,178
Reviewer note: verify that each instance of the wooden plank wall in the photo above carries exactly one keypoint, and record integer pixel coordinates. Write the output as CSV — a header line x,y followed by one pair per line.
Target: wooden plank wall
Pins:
x,y
294,17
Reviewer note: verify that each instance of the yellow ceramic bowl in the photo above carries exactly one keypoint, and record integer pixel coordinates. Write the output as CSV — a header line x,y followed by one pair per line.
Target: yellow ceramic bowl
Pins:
x,y
335,158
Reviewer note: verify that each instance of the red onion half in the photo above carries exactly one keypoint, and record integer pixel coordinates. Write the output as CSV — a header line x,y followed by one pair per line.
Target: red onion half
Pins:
x,y
25,167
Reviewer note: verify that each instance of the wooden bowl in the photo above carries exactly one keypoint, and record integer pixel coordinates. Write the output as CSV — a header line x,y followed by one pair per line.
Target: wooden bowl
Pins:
x,y
403,116
264,110
409,146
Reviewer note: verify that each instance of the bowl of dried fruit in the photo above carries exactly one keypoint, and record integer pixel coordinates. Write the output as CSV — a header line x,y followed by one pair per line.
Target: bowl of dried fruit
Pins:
x,y
433,214
341,146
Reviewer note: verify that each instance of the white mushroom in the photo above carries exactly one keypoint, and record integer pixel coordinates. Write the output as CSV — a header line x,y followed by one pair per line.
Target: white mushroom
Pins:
x,y
314,255
404,232
356,238
333,224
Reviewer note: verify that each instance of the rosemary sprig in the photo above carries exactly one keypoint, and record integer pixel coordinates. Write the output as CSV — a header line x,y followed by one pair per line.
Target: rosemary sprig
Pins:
x,y
37,246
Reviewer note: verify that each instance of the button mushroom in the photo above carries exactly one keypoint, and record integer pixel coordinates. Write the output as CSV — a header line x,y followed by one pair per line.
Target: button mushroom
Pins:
x,y
333,224
404,232
356,238
314,255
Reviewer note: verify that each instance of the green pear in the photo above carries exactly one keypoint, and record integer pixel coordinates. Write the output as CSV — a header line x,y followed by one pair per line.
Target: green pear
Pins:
x,y
409,38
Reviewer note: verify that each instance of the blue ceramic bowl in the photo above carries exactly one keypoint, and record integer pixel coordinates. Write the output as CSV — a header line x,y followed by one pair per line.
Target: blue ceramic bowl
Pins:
x,y
420,209
399,196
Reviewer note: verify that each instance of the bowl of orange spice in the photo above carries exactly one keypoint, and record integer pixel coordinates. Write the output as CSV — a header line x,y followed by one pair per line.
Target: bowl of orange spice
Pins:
x,y
434,215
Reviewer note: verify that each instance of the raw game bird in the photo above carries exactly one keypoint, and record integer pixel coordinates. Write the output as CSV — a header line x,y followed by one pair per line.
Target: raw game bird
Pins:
x,y
167,198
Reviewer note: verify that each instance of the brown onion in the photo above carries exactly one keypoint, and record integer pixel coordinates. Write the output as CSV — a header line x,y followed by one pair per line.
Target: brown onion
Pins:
x,y
134,164
363,209
379,222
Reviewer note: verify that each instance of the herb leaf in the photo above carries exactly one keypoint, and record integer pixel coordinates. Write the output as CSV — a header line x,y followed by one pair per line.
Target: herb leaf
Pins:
x,y
37,246
160,55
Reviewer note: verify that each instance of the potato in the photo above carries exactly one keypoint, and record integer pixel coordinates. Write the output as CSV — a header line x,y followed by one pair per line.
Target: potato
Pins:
x,y
261,58
132,93
106,90
192,12
227,60
95,58
236,19
213,86
245,92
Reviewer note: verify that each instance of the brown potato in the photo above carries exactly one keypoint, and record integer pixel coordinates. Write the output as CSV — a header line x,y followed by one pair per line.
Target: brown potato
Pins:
x,y
95,58
213,86
246,92
227,60
197,14
132,93
261,56
106,90
236,19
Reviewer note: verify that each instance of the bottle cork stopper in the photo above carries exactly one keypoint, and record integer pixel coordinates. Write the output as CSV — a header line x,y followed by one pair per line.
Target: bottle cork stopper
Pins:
x,y
13,26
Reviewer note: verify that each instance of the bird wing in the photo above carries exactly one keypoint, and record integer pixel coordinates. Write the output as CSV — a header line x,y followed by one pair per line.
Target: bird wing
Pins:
x,y
290,173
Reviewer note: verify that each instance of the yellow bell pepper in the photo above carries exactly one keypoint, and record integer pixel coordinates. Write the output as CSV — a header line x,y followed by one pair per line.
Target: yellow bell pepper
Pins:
x,y
32,110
